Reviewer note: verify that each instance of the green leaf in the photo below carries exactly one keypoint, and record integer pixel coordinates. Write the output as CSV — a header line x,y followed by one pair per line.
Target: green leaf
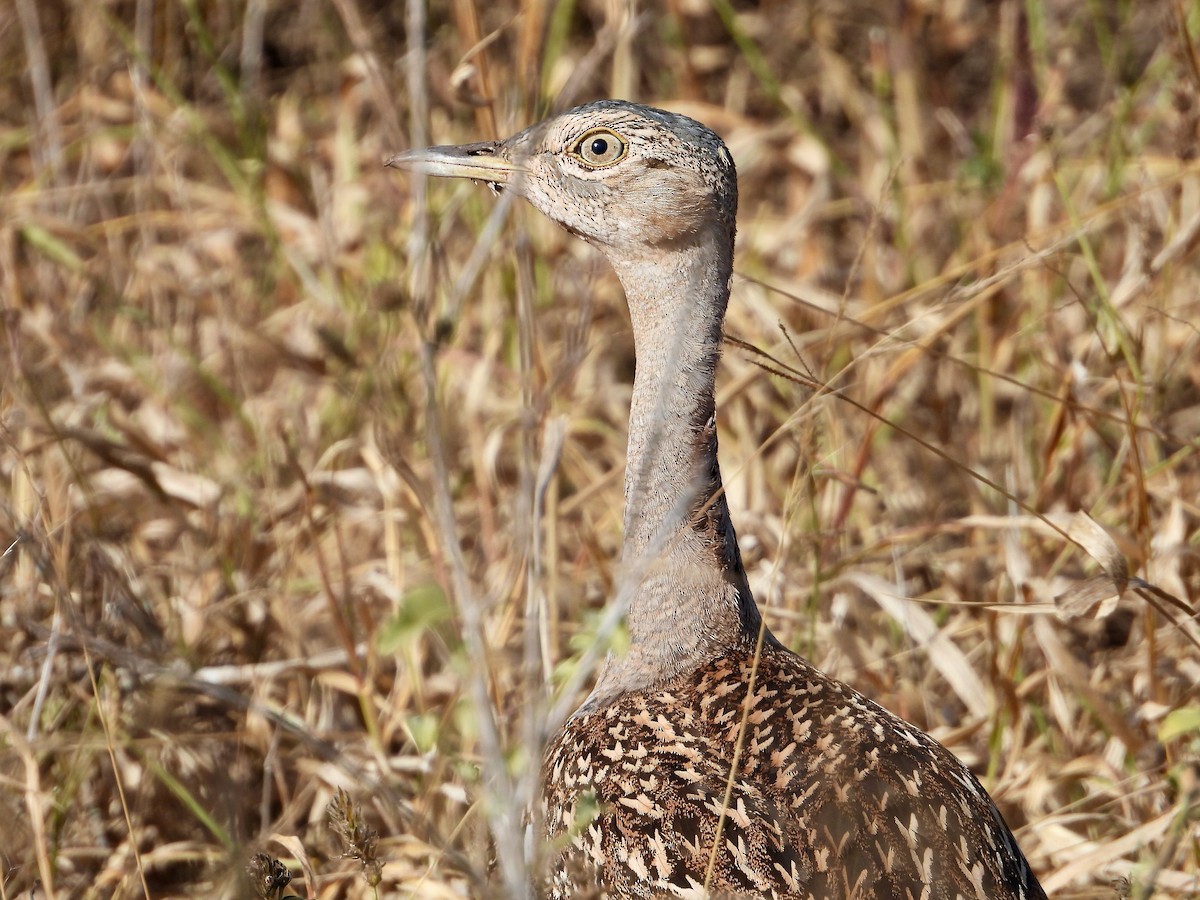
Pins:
x,y
424,730
420,609
53,248
1179,722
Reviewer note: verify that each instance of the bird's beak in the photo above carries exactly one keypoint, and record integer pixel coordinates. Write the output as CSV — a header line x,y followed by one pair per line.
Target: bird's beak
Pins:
x,y
488,161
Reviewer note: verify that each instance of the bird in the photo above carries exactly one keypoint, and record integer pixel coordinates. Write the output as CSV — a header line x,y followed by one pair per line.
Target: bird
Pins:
x,y
710,760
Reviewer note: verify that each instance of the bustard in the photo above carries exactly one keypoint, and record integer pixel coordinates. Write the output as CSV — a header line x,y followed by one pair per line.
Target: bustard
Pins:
x,y
710,760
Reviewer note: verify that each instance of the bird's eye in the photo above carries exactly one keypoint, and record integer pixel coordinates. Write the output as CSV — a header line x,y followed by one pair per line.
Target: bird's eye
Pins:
x,y
600,148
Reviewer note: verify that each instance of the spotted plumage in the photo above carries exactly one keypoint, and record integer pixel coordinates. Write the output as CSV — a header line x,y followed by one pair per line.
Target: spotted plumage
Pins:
x,y
833,796
710,761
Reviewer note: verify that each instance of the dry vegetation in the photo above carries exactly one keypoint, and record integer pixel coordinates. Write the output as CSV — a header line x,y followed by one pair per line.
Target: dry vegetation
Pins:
x,y
245,563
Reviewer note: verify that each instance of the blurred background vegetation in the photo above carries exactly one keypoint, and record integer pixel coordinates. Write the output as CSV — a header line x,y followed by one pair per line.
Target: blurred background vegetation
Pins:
x,y
310,473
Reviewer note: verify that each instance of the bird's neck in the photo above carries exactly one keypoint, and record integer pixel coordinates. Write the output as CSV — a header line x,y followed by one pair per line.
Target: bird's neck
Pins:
x,y
691,601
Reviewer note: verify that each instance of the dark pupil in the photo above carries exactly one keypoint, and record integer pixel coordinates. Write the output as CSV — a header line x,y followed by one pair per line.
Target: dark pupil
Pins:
x,y
599,146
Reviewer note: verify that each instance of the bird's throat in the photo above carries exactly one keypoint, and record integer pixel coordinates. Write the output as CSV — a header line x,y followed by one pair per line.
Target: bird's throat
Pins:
x,y
690,600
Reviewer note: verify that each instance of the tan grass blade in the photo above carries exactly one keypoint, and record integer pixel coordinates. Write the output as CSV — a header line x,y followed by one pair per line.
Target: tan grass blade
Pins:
x,y
951,662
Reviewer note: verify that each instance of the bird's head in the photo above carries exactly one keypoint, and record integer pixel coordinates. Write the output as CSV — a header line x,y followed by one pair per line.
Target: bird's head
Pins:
x,y
617,174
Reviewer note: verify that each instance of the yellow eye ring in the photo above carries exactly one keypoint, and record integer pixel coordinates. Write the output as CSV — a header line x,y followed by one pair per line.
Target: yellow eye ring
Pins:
x,y
600,148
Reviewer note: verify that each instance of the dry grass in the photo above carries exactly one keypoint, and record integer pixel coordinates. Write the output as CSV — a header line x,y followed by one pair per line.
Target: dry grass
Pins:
x,y
967,253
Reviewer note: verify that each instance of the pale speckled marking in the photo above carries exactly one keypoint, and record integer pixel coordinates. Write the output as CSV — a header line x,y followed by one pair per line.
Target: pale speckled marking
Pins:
x,y
834,798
